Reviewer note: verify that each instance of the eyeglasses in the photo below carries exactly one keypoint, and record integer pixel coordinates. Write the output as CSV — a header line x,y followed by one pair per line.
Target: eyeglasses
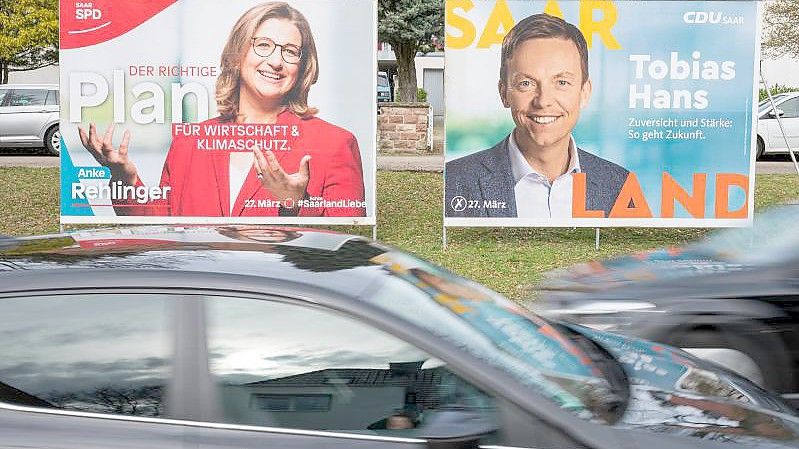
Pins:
x,y
264,47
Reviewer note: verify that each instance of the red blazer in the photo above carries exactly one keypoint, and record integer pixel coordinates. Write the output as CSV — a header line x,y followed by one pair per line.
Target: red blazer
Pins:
x,y
200,179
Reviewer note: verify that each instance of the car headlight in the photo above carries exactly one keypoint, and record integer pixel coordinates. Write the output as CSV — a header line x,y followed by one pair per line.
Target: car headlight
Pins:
x,y
599,315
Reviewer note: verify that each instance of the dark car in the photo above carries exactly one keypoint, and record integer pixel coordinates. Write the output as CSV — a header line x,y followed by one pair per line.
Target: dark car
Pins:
x,y
383,87
732,298
249,337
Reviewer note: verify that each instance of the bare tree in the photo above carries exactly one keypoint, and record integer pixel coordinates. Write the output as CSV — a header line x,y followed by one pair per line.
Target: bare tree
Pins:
x,y
141,401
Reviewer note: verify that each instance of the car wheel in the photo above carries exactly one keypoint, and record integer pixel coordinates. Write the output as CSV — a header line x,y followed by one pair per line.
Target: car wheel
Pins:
x,y
757,356
761,148
52,141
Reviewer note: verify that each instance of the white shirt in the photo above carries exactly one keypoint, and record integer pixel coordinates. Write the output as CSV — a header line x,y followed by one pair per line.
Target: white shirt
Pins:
x,y
238,169
535,196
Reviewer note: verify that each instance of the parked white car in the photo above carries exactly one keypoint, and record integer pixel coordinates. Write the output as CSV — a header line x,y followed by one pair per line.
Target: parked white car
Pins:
x,y
29,117
769,135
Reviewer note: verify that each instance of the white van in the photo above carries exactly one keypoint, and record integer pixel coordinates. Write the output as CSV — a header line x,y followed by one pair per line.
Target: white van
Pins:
x,y
29,117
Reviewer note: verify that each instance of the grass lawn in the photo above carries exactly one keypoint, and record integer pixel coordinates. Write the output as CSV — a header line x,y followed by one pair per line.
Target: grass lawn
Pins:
x,y
509,260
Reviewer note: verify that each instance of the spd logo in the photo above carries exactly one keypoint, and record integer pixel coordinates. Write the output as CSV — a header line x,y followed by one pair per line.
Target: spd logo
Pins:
x,y
87,11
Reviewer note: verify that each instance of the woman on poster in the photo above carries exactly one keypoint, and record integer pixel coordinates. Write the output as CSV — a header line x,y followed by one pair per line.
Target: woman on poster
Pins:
x,y
268,66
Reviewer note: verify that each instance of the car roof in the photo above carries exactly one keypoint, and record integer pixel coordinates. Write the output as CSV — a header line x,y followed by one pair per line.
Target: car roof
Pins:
x,y
781,97
312,257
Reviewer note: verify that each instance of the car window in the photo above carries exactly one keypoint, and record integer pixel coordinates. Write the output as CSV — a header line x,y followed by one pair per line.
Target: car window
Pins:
x,y
52,98
766,104
790,108
3,93
284,365
496,331
27,97
88,353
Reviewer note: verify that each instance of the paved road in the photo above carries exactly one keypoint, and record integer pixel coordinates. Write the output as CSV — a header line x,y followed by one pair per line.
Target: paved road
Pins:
x,y
393,163
775,167
28,161
396,163
436,163
411,163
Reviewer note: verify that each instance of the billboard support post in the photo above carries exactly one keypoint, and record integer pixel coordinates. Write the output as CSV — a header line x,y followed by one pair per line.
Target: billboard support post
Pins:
x,y
596,240
430,128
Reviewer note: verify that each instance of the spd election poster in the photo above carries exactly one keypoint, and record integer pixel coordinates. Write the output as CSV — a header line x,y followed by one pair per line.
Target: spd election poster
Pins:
x,y
200,111
600,113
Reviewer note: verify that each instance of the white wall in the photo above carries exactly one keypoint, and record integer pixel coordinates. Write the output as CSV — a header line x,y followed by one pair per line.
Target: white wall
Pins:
x,y
429,61
45,75
783,71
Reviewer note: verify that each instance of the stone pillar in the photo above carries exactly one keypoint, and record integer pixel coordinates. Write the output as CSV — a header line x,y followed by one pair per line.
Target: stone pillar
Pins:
x,y
404,128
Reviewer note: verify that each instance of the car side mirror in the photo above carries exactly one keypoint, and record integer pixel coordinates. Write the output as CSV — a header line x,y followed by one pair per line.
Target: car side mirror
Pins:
x,y
455,429
776,113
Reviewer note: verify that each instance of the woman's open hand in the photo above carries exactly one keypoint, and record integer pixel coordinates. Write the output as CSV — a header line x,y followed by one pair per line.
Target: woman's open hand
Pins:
x,y
288,188
122,168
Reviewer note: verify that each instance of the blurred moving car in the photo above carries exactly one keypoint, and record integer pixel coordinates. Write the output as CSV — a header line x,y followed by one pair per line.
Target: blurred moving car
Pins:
x,y
248,337
732,298
29,117
769,135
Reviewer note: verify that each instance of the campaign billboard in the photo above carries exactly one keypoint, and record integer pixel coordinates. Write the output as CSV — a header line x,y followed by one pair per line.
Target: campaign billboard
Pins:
x,y
200,111
600,113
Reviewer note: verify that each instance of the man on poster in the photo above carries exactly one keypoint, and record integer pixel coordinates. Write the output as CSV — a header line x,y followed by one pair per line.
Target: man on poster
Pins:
x,y
544,82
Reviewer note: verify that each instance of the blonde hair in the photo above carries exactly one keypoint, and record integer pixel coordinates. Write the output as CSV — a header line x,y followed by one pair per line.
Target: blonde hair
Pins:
x,y
238,44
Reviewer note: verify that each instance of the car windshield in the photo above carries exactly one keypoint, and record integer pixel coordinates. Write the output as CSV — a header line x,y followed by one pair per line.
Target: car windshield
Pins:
x,y
771,239
497,331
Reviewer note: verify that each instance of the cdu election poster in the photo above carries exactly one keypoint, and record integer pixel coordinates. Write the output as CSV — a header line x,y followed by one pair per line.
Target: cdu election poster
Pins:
x,y
600,113
200,111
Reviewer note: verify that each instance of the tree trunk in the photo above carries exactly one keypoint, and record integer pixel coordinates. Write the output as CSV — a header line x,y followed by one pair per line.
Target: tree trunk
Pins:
x,y
406,69
3,72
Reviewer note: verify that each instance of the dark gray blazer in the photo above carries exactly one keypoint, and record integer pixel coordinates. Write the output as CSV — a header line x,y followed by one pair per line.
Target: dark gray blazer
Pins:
x,y
487,175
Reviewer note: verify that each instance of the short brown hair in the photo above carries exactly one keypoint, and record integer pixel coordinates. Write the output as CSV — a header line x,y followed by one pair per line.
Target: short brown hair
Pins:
x,y
239,42
542,26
